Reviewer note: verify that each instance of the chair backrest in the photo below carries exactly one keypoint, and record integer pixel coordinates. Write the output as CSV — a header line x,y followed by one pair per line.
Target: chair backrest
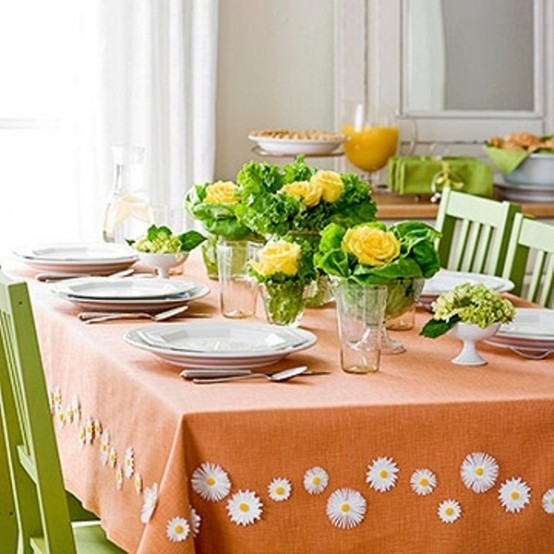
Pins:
x,y
35,472
475,232
531,247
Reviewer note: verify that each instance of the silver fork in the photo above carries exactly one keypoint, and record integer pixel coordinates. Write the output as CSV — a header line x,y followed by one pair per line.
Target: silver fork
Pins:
x,y
96,317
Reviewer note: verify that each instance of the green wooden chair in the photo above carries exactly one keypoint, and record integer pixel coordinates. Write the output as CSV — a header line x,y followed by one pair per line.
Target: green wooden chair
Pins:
x,y
475,232
531,252
41,506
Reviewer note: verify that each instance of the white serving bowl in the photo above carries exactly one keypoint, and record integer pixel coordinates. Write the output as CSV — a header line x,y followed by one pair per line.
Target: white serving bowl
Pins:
x,y
536,170
163,263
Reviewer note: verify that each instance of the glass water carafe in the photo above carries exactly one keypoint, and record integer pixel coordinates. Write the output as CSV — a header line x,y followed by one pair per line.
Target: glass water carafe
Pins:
x,y
128,213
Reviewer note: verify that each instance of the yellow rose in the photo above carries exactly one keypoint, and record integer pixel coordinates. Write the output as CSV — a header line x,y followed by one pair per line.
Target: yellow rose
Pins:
x,y
222,192
278,257
330,183
371,245
306,192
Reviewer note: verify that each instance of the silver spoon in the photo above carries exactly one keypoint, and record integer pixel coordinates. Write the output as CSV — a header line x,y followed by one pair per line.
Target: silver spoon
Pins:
x,y
92,317
279,377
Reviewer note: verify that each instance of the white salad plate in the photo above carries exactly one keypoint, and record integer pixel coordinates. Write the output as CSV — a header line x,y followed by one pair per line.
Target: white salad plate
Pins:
x,y
294,147
78,258
106,288
445,280
532,329
138,304
220,344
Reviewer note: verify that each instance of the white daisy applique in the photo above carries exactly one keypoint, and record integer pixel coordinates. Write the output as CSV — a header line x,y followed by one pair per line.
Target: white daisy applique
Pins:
x,y
195,521
479,472
60,417
449,511
82,436
514,494
137,482
548,501
76,408
178,529
316,480
150,501
97,428
56,399
129,462
423,481
279,489
119,477
104,446
346,508
89,431
68,414
244,508
382,474
112,457
211,482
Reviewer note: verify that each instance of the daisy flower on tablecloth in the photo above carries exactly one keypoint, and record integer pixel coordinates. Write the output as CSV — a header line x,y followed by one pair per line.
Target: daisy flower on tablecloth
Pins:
x,y
82,436
211,482
195,521
346,508
381,474
112,457
137,481
449,511
279,489
97,428
119,477
178,529
104,446
150,501
548,501
89,431
60,417
423,481
56,401
129,462
76,408
244,508
514,494
316,480
479,471
68,414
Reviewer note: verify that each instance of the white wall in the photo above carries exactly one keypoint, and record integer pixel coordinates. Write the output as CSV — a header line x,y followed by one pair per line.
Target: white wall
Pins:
x,y
275,70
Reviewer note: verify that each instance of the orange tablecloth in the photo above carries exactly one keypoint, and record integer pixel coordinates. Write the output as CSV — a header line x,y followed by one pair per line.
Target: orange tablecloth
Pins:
x,y
420,410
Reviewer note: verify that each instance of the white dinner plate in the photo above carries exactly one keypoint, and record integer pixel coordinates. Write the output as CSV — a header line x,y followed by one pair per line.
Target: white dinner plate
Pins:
x,y
445,280
220,344
296,146
104,288
138,305
98,259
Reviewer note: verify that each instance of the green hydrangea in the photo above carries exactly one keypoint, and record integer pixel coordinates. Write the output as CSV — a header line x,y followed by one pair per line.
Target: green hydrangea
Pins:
x,y
475,304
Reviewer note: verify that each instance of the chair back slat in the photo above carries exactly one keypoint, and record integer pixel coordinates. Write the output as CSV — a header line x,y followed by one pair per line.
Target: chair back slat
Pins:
x,y
32,452
531,256
475,232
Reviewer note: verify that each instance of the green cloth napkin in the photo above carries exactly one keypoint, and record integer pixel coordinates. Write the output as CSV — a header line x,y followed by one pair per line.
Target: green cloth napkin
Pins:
x,y
414,174
506,160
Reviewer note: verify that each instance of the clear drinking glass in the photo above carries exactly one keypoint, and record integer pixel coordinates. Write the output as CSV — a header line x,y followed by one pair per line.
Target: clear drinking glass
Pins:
x,y
237,289
361,314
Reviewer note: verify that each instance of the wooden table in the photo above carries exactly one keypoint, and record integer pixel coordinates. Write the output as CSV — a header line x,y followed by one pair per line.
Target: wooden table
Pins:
x,y
145,442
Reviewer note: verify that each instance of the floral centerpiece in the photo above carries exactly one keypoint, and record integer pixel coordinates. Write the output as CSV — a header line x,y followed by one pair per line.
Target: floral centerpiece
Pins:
x,y
214,205
470,313
297,201
283,267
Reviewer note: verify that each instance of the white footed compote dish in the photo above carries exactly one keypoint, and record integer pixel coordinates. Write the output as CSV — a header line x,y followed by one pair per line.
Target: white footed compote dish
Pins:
x,y
471,334
163,263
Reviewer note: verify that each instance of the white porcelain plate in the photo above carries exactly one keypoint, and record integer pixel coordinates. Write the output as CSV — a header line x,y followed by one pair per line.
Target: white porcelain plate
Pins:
x,y
104,288
78,258
219,343
446,280
296,146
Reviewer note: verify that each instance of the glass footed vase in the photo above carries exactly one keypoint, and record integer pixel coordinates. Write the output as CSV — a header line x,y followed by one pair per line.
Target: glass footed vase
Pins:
x,y
401,296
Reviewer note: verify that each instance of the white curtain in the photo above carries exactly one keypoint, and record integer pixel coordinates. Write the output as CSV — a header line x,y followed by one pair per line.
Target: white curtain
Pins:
x,y
144,74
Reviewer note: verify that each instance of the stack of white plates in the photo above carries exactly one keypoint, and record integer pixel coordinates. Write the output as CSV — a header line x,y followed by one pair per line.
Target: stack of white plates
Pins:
x,y
531,332
79,258
446,280
128,294
220,344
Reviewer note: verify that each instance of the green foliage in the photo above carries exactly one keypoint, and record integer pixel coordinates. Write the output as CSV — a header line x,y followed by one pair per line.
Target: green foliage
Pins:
x,y
436,327
161,240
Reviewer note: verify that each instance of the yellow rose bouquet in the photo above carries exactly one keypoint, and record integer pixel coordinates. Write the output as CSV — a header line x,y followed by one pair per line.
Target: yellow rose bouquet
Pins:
x,y
400,257
283,268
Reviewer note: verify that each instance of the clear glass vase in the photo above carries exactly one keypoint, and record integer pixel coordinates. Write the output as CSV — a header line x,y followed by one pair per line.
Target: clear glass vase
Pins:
x,y
128,213
283,302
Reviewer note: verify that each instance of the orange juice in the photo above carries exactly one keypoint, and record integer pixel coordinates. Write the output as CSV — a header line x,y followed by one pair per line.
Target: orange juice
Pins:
x,y
369,148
